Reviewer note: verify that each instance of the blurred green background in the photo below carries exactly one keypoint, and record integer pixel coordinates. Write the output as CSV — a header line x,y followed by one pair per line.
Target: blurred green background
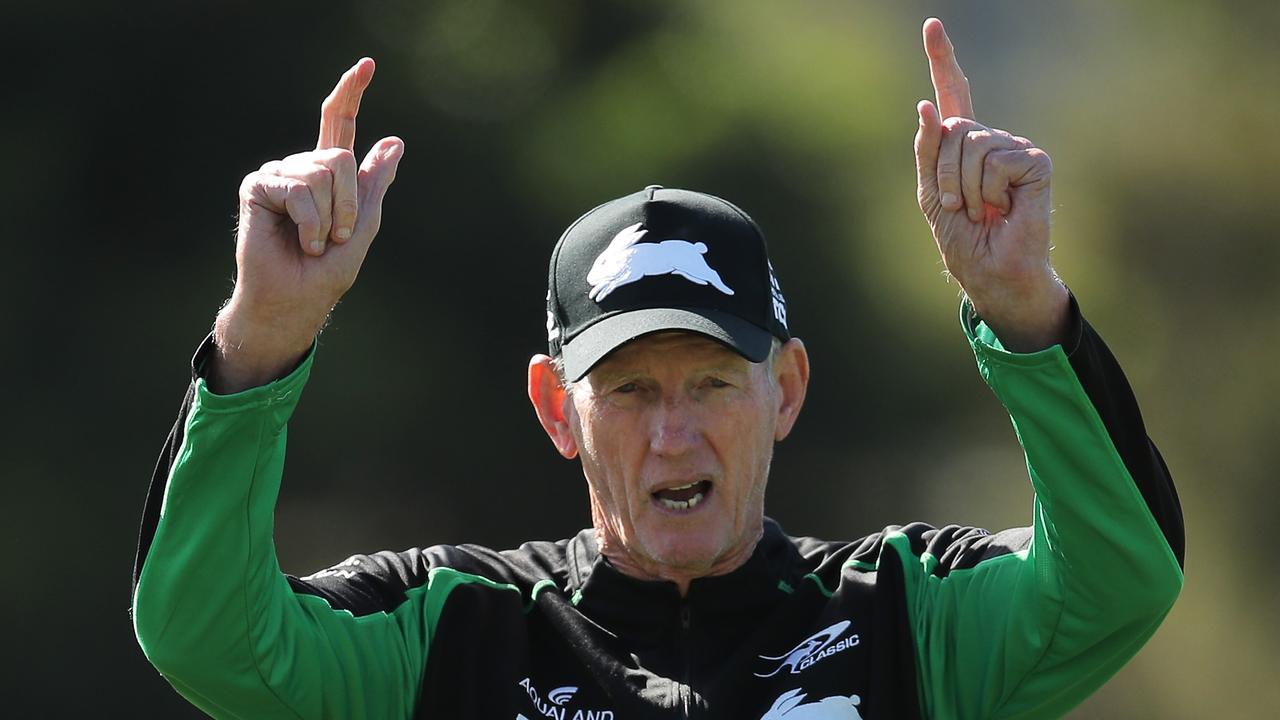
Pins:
x,y
128,130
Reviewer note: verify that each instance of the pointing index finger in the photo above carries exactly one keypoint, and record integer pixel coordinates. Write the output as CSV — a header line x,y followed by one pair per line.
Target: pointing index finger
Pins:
x,y
338,111
949,83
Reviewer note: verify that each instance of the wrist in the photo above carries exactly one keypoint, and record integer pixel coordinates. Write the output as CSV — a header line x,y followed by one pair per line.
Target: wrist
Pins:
x,y
252,349
1027,320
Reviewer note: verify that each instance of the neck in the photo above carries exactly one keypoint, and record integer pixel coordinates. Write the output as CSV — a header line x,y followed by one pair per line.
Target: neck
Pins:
x,y
633,565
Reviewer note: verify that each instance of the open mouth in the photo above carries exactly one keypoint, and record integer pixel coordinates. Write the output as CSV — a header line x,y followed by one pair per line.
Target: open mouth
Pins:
x,y
683,497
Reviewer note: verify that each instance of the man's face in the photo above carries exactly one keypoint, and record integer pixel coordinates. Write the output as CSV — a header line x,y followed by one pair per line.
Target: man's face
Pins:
x,y
675,432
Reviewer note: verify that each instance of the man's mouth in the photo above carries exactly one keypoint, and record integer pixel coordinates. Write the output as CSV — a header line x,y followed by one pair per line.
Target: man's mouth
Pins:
x,y
683,497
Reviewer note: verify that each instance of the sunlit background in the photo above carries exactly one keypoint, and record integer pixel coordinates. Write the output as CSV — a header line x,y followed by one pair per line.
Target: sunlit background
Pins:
x,y
127,130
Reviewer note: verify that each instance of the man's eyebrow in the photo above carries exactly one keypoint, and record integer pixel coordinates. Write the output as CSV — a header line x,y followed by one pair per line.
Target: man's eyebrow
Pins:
x,y
727,364
606,376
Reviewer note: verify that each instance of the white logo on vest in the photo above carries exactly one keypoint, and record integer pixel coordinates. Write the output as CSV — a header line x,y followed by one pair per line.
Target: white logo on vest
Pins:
x,y
553,705
817,646
790,706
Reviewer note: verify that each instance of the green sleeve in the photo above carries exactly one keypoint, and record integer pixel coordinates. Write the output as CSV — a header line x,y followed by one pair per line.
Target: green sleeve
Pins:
x,y
1031,633
212,610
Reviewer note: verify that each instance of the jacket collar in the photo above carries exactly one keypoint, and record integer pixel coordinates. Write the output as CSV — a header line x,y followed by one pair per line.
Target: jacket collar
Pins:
x,y
631,606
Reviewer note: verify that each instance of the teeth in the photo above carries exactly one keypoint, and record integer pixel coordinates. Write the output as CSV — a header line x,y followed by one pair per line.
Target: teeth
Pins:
x,y
682,504
684,487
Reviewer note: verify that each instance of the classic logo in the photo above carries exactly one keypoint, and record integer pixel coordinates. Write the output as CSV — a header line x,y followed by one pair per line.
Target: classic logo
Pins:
x,y
790,705
553,705
627,260
817,646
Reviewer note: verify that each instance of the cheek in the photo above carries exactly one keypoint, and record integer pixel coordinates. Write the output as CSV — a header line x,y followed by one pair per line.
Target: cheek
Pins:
x,y
604,455
746,444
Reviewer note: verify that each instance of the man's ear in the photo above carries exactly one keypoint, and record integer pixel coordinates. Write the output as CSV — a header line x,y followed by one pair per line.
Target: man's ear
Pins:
x,y
550,401
791,376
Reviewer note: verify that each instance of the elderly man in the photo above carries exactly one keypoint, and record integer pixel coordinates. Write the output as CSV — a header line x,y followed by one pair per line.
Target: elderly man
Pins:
x,y
671,374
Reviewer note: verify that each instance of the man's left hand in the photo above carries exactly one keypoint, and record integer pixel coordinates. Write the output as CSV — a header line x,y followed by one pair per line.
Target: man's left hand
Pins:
x,y
985,194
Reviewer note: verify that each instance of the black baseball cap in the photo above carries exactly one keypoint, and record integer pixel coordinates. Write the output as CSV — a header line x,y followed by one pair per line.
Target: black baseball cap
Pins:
x,y
661,259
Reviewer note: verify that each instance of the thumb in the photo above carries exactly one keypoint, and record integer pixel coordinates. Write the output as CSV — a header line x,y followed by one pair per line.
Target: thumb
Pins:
x,y
927,141
377,172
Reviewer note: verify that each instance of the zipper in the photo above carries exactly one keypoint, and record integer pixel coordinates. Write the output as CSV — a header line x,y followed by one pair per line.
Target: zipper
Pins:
x,y
686,688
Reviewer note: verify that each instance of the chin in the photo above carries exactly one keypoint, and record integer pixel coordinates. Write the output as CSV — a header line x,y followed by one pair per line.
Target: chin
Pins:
x,y
686,549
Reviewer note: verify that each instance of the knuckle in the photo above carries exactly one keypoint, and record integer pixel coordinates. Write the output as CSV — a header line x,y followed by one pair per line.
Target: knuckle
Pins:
x,y
345,208
979,135
255,184
317,176
948,170
344,160
339,161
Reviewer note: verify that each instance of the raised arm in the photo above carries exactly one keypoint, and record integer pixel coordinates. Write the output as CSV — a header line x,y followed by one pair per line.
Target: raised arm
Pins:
x,y
1027,622
211,608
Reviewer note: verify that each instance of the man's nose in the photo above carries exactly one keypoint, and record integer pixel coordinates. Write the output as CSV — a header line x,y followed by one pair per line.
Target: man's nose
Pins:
x,y
673,427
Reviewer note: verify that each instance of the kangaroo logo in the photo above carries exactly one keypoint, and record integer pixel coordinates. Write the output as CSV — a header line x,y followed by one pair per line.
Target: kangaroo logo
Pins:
x,y
790,705
625,262
812,649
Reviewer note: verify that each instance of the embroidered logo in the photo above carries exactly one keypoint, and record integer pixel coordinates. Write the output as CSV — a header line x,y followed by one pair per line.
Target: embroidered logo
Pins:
x,y
790,705
553,705
562,695
337,571
553,331
812,649
627,260
779,302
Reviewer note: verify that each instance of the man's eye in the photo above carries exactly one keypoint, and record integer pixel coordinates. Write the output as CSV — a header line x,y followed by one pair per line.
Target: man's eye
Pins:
x,y
716,382
626,388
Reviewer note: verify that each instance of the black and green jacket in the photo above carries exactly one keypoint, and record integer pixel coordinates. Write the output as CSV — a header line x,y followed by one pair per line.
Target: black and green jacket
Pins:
x,y
911,622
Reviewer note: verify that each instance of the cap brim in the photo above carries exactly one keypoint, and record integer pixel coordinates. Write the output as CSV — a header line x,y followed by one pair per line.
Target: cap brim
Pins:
x,y
593,344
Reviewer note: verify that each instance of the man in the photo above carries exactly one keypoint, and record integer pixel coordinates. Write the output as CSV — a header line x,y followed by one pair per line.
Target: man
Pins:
x,y
671,374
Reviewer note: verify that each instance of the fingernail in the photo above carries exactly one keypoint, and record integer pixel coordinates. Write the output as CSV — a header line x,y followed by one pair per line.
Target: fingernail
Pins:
x,y
317,246
343,233
949,200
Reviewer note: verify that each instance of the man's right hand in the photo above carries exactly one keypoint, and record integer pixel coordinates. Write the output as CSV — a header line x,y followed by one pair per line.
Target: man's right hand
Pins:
x,y
306,223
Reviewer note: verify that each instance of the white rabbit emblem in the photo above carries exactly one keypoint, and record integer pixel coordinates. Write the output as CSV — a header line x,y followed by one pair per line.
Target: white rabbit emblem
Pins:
x,y
625,262
789,706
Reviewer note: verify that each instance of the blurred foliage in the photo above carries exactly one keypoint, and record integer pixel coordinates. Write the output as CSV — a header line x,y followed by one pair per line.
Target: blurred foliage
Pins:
x,y
130,128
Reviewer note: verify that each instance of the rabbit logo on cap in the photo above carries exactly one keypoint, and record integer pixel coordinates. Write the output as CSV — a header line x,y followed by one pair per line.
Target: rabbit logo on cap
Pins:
x,y
627,260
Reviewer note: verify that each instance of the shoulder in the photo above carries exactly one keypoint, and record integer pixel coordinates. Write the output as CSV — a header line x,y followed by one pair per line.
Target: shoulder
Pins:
x,y
382,581
943,549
